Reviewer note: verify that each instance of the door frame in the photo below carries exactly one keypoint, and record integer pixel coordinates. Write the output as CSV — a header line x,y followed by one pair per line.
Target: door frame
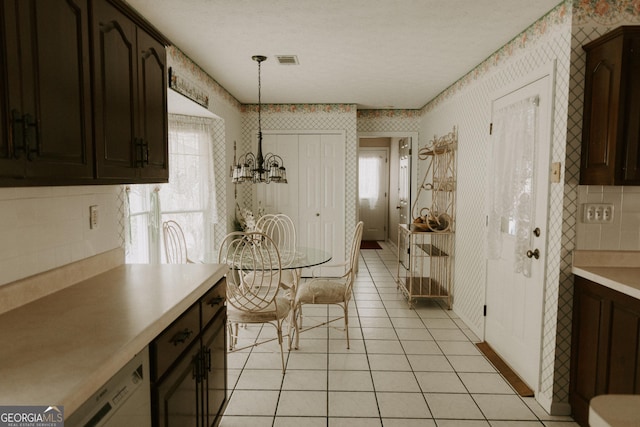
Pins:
x,y
546,70
414,160
385,189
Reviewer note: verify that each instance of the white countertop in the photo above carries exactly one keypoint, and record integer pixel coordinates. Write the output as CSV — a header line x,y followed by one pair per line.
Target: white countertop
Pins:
x,y
617,270
61,348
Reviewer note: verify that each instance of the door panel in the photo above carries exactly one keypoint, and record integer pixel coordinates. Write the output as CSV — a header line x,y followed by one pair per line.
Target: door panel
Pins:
x,y
514,303
281,198
115,73
152,70
61,71
404,180
314,195
373,185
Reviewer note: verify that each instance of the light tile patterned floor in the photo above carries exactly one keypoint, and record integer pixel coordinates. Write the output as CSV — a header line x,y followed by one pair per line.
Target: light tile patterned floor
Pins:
x,y
406,367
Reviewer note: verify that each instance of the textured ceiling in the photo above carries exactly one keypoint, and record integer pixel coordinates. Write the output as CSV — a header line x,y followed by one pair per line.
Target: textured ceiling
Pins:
x,y
374,53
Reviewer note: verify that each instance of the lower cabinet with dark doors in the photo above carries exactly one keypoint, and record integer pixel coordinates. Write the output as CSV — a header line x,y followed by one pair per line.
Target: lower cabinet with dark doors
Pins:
x,y
605,345
188,366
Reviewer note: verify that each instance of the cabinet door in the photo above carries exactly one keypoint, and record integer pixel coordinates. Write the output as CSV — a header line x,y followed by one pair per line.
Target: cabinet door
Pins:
x,y
10,165
177,400
215,368
115,70
605,347
57,104
623,373
46,111
152,97
601,108
588,308
631,156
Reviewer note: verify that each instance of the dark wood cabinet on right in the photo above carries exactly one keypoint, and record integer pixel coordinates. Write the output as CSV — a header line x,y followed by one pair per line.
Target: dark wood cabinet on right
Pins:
x,y
611,117
605,345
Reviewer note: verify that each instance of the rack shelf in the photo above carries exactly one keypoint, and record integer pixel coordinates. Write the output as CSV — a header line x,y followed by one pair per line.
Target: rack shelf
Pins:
x,y
425,250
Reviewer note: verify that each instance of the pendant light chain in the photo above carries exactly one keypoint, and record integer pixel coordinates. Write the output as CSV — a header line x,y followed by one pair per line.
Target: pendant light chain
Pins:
x,y
258,168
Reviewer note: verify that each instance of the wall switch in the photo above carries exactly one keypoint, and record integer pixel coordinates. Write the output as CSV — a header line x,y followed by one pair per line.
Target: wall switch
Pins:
x,y
93,217
597,213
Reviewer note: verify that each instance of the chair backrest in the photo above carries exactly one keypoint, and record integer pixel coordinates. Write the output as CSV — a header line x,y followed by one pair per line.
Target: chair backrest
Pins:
x,y
253,280
353,256
175,245
282,231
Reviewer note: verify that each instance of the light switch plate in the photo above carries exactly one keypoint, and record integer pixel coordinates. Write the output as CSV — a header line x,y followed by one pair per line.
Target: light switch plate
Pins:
x,y
597,213
93,217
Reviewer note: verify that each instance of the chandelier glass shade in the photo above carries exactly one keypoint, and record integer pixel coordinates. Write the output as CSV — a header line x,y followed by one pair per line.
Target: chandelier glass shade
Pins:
x,y
258,168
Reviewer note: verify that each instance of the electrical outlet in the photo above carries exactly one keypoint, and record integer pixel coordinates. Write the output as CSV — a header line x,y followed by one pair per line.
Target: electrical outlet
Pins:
x,y
597,213
93,217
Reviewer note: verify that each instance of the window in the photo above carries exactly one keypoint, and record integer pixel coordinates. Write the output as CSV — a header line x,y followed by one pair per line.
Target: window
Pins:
x,y
188,198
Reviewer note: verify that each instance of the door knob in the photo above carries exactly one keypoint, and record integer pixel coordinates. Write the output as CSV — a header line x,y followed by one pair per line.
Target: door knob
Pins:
x,y
533,254
536,232
317,214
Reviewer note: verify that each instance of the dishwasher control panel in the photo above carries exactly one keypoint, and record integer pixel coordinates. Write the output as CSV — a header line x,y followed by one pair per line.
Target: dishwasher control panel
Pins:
x,y
123,401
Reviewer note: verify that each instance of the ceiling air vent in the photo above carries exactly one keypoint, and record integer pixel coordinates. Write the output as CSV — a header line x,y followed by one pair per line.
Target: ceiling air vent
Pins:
x,y
287,59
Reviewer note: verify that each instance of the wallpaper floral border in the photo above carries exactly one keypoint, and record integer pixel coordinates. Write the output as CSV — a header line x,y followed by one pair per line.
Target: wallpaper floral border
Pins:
x,y
605,12
199,75
299,108
541,27
375,114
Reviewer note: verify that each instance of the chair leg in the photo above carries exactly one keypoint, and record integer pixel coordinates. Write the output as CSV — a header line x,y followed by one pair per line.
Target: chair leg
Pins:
x,y
279,331
346,322
232,337
297,312
294,331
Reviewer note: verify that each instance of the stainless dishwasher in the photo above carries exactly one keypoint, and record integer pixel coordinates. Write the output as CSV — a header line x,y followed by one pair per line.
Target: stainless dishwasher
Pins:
x,y
124,401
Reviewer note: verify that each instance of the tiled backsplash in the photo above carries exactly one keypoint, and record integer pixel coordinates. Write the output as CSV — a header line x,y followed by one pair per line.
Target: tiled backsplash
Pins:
x,y
46,227
623,233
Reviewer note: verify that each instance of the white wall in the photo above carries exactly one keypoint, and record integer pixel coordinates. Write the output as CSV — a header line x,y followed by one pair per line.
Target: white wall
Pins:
x,y
46,227
467,105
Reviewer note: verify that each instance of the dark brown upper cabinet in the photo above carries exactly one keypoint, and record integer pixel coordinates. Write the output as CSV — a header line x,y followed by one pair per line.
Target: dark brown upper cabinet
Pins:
x,y
83,94
611,120
130,105
45,93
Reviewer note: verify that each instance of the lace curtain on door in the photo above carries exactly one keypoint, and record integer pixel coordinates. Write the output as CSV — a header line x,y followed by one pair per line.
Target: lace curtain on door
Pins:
x,y
510,182
370,169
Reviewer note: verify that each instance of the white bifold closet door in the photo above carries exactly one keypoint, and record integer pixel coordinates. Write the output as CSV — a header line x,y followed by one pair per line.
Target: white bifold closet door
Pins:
x,y
315,194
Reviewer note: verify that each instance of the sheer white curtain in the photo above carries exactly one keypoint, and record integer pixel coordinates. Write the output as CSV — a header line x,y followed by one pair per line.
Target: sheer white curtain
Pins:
x,y
510,183
370,169
188,198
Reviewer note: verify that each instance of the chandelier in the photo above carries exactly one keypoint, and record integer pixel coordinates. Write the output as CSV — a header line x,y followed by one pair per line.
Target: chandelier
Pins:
x,y
258,168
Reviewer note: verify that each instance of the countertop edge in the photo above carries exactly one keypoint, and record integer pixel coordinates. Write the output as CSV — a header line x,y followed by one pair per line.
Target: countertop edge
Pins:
x,y
130,349
119,351
599,275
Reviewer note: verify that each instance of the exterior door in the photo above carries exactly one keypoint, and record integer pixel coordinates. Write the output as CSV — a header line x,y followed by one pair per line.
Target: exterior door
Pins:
x,y
514,300
373,182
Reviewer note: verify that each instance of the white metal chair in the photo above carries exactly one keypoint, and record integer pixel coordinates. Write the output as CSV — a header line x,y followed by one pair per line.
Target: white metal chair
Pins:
x,y
175,245
282,231
331,290
255,293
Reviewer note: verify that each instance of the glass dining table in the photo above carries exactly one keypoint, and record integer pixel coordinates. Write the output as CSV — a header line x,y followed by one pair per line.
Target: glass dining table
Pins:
x,y
304,257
